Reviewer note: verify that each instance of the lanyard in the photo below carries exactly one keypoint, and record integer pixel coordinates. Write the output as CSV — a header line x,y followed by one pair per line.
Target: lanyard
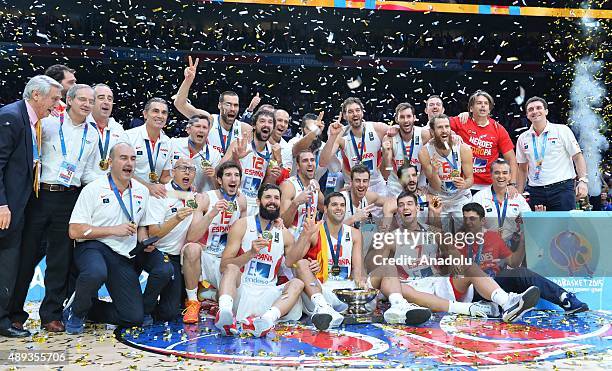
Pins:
x,y
266,156
535,148
480,248
501,217
411,147
303,188
224,144
228,197
258,224
63,143
152,164
103,150
335,253
359,154
453,164
191,145
129,215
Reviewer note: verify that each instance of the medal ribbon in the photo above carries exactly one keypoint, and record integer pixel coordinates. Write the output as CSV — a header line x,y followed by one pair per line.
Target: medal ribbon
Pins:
x,y
264,156
63,143
129,215
411,147
191,145
103,150
359,154
453,164
501,218
471,251
226,196
150,155
258,224
535,148
335,252
224,144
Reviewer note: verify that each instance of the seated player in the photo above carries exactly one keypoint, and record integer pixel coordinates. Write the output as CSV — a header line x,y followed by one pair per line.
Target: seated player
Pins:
x,y
337,247
451,287
201,260
494,256
249,266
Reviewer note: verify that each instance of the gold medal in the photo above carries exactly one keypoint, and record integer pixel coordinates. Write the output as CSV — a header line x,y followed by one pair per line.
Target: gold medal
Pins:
x,y
153,177
133,223
455,173
231,206
103,165
335,270
206,163
192,204
267,235
273,163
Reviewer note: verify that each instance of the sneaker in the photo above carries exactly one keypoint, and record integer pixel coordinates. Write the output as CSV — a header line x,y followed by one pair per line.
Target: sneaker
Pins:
x,y
191,314
256,326
226,323
73,324
484,309
571,304
407,314
325,317
147,320
518,304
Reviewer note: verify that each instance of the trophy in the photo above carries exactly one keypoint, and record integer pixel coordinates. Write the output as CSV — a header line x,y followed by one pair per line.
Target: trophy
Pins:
x,y
356,299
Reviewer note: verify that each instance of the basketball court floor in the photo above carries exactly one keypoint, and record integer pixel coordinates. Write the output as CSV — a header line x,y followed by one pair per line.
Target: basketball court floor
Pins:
x,y
543,340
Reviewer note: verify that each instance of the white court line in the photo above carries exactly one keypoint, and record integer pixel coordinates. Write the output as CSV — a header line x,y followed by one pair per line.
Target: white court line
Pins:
x,y
446,346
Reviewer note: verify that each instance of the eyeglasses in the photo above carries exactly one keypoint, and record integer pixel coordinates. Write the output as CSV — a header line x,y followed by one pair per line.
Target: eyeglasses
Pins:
x,y
186,169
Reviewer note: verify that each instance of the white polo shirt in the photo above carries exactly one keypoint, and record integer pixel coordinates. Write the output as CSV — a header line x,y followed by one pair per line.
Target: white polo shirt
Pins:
x,y
516,206
52,157
114,131
136,137
97,206
180,149
557,165
162,209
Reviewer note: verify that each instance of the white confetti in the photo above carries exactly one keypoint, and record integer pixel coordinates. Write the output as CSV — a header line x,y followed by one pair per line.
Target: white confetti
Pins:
x,y
354,83
550,57
497,59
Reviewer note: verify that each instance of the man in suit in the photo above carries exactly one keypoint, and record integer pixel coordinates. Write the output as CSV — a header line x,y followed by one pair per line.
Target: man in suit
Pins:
x,y
19,175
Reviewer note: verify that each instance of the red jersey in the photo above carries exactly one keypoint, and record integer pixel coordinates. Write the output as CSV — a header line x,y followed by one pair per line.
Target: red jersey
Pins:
x,y
488,144
494,248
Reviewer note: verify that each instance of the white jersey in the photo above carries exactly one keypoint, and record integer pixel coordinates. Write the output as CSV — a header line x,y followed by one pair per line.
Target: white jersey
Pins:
x,y
448,164
107,138
215,238
413,259
350,208
304,209
370,155
345,256
162,209
263,268
147,153
403,151
219,138
254,167
180,149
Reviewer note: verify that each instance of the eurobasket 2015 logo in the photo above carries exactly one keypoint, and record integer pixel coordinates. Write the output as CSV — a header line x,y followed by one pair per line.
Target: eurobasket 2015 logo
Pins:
x,y
572,252
444,341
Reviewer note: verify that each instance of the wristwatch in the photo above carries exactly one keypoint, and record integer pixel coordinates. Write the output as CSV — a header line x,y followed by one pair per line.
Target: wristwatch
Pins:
x,y
584,180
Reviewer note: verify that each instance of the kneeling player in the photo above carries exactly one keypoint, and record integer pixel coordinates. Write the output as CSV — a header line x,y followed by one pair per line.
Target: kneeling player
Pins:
x,y
337,247
250,264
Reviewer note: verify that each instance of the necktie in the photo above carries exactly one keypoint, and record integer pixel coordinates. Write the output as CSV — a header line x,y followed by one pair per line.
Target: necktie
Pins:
x,y
37,163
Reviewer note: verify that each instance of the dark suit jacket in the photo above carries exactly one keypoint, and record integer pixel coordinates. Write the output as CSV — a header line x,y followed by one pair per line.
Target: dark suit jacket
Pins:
x,y
16,159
